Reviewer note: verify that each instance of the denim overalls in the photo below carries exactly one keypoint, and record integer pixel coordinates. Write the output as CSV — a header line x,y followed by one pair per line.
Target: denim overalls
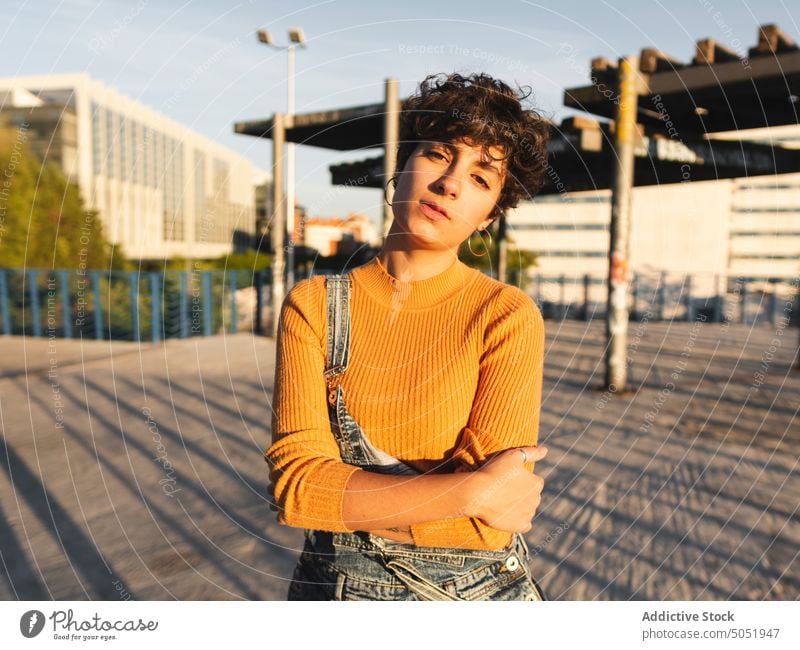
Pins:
x,y
363,566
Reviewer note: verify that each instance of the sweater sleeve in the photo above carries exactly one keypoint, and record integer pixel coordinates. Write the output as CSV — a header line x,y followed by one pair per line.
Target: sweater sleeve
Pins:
x,y
504,413
307,474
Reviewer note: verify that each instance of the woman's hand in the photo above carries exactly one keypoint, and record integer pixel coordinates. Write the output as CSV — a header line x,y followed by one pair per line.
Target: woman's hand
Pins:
x,y
504,492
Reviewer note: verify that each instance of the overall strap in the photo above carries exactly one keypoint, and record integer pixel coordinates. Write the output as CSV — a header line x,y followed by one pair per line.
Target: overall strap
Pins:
x,y
338,300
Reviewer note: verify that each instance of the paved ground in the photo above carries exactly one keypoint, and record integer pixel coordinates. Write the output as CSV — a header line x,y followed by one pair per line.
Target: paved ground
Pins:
x,y
145,478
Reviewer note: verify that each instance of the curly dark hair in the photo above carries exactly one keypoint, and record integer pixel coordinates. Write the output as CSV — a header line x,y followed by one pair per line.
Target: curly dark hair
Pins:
x,y
487,112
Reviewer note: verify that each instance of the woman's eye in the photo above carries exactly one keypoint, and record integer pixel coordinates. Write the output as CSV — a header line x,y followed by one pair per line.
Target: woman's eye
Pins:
x,y
480,178
436,153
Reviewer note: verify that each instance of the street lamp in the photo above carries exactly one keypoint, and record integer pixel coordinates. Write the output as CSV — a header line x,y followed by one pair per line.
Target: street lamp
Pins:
x,y
296,37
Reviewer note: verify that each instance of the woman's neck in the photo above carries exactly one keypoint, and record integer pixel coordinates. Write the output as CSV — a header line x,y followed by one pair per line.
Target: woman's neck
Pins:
x,y
415,264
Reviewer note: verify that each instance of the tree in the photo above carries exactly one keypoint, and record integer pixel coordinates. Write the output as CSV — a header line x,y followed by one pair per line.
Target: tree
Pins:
x,y
44,222
485,254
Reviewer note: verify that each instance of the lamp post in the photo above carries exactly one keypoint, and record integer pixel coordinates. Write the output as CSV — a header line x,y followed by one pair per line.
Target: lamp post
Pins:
x,y
296,37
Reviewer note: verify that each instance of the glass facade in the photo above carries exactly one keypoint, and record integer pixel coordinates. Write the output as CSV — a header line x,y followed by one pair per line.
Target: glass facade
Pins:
x,y
129,156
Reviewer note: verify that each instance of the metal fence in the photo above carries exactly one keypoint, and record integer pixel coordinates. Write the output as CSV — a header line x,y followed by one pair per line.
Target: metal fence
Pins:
x,y
663,296
137,306
133,306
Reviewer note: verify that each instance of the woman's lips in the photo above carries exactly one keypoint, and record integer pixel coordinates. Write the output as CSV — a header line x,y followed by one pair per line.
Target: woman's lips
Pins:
x,y
433,213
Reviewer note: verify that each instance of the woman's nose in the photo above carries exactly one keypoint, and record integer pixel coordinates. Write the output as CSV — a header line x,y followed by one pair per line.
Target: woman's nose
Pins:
x,y
448,184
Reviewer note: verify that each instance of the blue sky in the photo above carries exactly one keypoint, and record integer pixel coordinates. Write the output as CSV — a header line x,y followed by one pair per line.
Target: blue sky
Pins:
x,y
199,62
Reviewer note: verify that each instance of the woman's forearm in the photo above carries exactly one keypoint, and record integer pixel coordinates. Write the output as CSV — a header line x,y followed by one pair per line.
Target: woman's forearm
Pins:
x,y
374,501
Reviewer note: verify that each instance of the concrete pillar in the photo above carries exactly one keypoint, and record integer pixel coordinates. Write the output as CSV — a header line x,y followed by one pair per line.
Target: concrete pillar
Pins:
x,y
621,195
391,130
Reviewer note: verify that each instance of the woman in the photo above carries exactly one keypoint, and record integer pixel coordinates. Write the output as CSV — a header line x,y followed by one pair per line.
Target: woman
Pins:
x,y
443,377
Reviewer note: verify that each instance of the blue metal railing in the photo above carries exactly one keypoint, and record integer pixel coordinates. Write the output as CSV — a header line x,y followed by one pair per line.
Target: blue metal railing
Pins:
x,y
134,306
664,296
128,305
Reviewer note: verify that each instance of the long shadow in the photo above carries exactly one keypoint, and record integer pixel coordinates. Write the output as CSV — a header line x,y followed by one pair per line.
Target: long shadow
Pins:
x,y
698,442
630,522
636,557
576,573
173,435
587,386
666,346
764,440
183,410
238,394
772,408
156,513
202,493
79,549
20,574
698,487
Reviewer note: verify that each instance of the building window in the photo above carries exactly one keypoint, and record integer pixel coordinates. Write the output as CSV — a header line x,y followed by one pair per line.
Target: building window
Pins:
x,y
98,162
199,194
558,226
111,144
150,157
136,152
177,191
167,186
124,148
573,253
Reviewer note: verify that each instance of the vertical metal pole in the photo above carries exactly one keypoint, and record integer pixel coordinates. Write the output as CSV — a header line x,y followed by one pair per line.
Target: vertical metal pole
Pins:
x,y
636,296
279,220
562,295
233,287
773,303
662,294
207,306
155,307
689,305
66,303
718,301
259,285
586,282
5,311
744,301
539,289
133,283
290,200
183,302
622,192
98,305
391,135
33,298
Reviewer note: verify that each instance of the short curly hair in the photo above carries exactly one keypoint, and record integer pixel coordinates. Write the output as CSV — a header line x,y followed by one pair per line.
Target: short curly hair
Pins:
x,y
488,112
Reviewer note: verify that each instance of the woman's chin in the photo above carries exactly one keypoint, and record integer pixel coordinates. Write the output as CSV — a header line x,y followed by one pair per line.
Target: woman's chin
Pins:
x,y
423,235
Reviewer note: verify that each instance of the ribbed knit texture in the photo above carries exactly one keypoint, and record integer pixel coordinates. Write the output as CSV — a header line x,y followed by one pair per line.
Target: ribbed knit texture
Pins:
x,y
443,372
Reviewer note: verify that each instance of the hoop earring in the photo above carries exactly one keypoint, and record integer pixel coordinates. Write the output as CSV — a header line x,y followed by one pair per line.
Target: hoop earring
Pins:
x,y
385,199
485,248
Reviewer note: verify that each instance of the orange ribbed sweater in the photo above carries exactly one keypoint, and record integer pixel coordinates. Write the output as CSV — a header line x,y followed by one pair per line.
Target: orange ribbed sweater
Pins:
x,y
444,369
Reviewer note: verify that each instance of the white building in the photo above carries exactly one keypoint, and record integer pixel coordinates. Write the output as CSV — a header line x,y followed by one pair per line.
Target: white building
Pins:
x,y
161,189
714,231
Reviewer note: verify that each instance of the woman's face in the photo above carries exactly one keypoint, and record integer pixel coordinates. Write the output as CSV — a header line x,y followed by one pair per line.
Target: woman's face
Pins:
x,y
458,179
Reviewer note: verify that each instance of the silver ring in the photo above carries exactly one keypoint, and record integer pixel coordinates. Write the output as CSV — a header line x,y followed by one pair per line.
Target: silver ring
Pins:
x,y
524,456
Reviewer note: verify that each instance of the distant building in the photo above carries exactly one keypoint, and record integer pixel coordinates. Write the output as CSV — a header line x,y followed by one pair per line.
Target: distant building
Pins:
x,y
336,236
161,189
715,231
262,186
